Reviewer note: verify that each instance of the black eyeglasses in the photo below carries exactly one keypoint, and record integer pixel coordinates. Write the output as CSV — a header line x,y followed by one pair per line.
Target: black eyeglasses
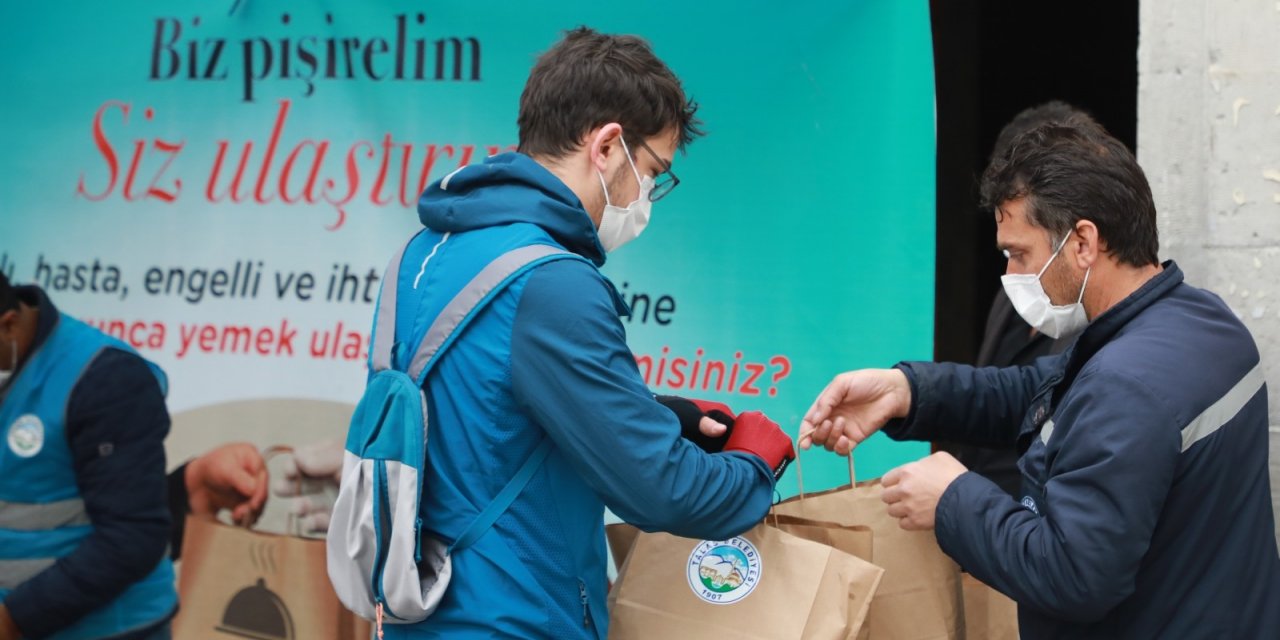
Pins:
x,y
664,182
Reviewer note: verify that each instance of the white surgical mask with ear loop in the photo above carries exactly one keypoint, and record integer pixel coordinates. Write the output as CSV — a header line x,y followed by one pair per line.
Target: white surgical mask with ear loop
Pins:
x,y
619,225
1032,303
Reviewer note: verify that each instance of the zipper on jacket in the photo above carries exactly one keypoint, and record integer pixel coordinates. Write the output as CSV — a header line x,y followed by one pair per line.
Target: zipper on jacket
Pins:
x,y
382,515
586,614
417,538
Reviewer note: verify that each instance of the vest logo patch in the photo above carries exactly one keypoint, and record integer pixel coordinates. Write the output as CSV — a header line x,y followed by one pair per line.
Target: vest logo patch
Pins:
x,y
26,436
724,572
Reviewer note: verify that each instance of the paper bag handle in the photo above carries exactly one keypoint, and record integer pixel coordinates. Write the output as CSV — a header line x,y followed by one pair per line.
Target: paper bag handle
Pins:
x,y
800,471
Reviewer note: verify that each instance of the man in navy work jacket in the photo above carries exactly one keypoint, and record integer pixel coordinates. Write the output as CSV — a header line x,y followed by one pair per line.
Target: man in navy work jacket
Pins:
x,y
84,521
1145,509
600,120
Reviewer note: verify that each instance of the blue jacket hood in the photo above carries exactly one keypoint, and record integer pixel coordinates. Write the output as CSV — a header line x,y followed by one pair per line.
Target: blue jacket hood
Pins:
x,y
505,189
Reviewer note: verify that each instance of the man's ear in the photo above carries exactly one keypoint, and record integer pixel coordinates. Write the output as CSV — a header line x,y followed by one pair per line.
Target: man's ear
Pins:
x,y
1090,247
8,324
603,142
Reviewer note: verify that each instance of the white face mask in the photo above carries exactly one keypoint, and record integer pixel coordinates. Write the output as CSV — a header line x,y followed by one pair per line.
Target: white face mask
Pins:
x,y
13,366
619,225
1032,303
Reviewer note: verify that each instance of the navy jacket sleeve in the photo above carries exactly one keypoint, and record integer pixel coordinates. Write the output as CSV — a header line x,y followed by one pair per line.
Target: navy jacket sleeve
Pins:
x,y
971,405
572,371
1105,490
116,425
179,506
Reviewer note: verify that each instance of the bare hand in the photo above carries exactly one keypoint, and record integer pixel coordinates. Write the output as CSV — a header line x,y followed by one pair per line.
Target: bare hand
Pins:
x,y
912,491
233,476
855,405
8,628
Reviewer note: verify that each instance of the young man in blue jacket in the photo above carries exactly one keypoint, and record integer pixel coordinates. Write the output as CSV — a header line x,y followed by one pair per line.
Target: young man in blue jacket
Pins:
x,y
600,120
1145,509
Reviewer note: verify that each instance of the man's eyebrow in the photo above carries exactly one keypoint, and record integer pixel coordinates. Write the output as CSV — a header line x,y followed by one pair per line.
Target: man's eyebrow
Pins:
x,y
666,164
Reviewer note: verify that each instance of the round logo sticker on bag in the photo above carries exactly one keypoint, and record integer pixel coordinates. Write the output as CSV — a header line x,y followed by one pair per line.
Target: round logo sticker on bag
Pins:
x,y
724,572
26,436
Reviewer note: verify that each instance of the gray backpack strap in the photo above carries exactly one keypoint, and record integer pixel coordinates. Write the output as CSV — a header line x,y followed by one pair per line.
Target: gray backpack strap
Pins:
x,y
461,308
384,323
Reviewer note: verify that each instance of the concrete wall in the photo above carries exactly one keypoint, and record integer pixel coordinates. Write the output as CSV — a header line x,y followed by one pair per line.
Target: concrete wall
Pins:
x,y
1209,140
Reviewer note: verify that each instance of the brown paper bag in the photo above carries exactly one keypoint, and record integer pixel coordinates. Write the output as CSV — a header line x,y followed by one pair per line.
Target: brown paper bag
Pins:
x,y
237,583
988,614
920,597
853,540
763,584
857,541
620,536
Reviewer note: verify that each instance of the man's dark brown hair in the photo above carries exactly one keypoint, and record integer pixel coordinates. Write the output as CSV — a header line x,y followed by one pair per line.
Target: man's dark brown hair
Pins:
x,y
8,297
590,79
1074,170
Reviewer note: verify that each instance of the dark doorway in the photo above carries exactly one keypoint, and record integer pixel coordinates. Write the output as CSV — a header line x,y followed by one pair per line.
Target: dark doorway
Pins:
x,y
993,59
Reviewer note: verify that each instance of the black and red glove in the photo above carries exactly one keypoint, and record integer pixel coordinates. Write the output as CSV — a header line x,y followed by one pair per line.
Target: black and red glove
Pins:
x,y
691,412
758,435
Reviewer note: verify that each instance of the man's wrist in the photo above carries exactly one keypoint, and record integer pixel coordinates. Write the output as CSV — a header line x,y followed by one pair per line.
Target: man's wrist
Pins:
x,y
190,474
902,387
193,480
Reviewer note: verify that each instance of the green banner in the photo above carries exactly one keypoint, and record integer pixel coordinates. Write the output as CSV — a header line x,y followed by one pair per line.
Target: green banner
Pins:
x,y
221,184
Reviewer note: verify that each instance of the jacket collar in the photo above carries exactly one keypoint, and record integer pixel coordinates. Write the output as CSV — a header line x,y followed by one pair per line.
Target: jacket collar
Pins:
x,y
1106,326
